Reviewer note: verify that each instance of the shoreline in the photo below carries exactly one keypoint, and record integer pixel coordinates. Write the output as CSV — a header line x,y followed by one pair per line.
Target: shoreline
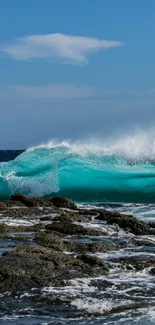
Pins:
x,y
51,242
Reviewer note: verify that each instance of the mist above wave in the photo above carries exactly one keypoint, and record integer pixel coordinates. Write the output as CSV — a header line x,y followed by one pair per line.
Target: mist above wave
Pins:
x,y
137,146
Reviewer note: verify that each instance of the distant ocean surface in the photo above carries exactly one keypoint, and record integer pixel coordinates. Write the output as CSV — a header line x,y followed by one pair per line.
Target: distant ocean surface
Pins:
x,y
122,170
6,155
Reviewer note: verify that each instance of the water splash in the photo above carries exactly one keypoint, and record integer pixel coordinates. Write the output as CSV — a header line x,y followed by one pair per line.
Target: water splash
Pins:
x,y
94,170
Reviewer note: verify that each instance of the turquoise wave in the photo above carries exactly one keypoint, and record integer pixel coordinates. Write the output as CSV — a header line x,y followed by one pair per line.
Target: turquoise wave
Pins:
x,y
84,172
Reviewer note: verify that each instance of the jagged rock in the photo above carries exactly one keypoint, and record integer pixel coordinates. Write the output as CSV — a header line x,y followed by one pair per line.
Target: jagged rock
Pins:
x,y
63,202
58,202
126,222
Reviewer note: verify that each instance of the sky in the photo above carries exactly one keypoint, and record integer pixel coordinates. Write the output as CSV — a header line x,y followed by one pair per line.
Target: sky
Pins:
x,y
75,69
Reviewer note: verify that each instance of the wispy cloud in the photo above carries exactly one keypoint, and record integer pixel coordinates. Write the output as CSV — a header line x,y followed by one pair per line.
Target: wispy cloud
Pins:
x,y
52,91
66,48
65,91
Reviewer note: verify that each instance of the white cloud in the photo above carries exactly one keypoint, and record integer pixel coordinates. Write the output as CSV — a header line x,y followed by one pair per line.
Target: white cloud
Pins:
x,y
66,48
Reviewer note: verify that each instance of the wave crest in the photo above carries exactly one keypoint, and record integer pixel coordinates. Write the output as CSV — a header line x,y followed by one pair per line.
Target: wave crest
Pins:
x,y
95,170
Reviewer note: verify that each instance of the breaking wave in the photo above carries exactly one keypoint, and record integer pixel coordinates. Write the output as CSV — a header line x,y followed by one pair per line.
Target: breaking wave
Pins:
x,y
90,171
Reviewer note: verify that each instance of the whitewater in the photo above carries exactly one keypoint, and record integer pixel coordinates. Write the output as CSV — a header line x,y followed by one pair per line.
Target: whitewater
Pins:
x,y
101,170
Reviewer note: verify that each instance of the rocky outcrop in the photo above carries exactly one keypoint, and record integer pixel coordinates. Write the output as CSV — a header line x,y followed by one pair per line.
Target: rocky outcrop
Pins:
x,y
58,247
37,266
58,202
63,202
69,228
127,222
136,263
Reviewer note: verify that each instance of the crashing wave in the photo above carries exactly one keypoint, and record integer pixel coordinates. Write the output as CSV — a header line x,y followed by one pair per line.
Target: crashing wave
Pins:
x,y
94,170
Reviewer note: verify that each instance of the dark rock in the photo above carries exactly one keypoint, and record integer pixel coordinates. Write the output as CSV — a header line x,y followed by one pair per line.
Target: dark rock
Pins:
x,y
30,266
29,202
58,202
58,259
137,263
100,247
90,247
4,228
73,229
71,218
46,218
129,223
18,273
151,224
63,202
77,247
152,271
93,261
50,241
141,242
10,204
90,212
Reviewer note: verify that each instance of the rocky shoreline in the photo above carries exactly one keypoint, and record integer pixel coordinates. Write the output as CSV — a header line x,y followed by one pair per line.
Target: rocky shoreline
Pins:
x,y
54,254
59,242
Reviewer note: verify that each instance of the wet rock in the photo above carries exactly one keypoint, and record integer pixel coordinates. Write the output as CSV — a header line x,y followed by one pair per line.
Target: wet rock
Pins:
x,y
46,218
90,212
8,230
77,247
136,263
90,247
5,272
39,252
50,241
21,273
93,261
152,271
73,229
29,202
58,202
30,266
127,222
32,202
3,206
151,224
10,204
100,247
3,228
63,202
141,242
70,217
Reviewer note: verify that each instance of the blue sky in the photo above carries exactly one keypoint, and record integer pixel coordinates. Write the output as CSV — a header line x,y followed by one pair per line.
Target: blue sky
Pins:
x,y
73,69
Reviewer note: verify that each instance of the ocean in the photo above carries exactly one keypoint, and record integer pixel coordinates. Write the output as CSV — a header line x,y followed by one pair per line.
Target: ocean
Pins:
x,y
118,176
